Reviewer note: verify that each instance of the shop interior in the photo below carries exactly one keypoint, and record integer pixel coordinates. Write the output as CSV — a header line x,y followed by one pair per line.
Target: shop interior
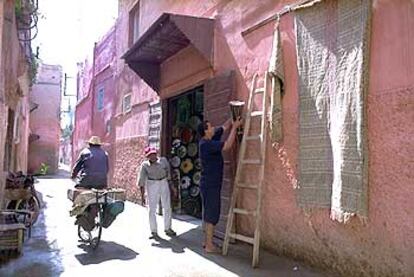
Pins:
x,y
185,113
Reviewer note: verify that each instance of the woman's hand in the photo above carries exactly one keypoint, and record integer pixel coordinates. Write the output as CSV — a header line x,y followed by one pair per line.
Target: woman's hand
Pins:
x,y
227,124
238,122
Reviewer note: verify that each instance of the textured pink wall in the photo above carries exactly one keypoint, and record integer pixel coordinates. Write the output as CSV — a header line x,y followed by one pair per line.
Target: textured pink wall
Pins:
x,y
83,113
84,78
93,76
104,79
127,81
382,246
187,65
105,51
82,130
130,128
13,77
45,119
22,147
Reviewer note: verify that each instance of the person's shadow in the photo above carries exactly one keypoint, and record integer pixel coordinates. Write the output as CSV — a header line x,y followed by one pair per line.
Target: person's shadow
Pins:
x,y
165,244
106,251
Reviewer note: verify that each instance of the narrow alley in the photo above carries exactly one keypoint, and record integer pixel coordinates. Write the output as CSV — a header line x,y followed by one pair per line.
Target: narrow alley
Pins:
x,y
278,136
126,250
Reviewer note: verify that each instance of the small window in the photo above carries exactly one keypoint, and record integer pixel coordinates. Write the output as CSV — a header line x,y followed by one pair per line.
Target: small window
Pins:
x,y
16,129
126,103
134,24
16,125
100,99
108,127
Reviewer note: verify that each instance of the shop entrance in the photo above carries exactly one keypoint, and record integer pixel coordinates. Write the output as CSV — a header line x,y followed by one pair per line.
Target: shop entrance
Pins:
x,y
185,113
8,147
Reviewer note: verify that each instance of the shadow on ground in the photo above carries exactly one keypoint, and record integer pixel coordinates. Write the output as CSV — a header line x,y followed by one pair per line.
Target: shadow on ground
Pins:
x,y
40,256
239,258
105,252
167,244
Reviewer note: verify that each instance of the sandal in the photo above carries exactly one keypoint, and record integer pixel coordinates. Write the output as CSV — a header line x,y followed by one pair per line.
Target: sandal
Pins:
x,y
215,250
170,232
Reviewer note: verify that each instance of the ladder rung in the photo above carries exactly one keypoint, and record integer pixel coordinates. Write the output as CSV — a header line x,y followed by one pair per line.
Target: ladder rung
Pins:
x,y
256,113
259,90
242,238
243,211
252,161
245,186
253,137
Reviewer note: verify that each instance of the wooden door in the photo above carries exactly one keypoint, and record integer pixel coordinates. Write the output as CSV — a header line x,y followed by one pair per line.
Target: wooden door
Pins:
x,y
218,91
154,125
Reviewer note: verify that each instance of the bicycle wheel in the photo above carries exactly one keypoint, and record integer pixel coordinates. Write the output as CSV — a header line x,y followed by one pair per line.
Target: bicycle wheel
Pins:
x,y
92,237
97,231
83,235
33,205
11,205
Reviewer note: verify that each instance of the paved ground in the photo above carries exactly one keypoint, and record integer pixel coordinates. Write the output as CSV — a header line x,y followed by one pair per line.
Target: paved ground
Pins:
x,y
54,250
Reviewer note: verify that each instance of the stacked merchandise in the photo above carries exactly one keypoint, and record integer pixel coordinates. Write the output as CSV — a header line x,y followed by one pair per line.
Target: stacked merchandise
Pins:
x,y
185,163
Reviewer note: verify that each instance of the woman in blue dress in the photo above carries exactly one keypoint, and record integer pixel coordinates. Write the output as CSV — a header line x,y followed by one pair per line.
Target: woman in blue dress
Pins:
x,y
211,155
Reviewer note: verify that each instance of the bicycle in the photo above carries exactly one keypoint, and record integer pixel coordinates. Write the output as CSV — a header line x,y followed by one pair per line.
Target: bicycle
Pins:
x,y
92,212
92,236
22,196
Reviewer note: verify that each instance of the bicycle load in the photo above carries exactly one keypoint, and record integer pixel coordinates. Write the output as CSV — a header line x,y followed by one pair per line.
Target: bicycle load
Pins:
x,y
95,209
94,206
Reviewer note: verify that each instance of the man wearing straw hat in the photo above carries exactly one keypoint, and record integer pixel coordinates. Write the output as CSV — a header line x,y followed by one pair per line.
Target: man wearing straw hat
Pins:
x,y
92,167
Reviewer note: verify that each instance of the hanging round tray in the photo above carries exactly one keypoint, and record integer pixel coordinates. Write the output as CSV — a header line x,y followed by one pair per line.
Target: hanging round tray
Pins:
x,y
185,182
175,162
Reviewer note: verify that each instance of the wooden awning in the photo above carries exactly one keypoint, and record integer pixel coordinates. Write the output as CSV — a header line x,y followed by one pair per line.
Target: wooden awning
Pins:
x,y
168,35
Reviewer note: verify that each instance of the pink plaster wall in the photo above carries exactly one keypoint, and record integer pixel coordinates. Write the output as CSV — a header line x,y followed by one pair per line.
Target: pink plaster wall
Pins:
x,y
14,91
45,120
93,76
127,81
104,79
186,66
384,245
82,129
83,112
131,128
105,51
22,143
84,79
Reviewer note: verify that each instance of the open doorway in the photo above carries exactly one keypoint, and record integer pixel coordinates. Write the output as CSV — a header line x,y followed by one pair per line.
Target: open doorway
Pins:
x,y
185,112
8,147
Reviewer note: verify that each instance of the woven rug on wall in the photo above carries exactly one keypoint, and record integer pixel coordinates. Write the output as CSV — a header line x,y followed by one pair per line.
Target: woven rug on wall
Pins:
x,y
276,68
332,50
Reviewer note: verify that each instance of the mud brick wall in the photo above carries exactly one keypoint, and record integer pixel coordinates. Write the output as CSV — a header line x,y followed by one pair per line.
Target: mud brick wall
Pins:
x,y
126,159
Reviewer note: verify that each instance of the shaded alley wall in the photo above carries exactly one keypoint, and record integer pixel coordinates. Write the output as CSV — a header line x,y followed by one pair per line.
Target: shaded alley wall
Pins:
x,y
45,120
14,95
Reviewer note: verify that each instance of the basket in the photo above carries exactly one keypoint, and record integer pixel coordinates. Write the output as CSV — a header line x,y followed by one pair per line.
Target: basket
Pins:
x,y
115,194
17,194
11,237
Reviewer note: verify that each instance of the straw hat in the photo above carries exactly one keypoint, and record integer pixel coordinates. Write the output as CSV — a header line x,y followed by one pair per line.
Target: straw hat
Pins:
x,y
95,140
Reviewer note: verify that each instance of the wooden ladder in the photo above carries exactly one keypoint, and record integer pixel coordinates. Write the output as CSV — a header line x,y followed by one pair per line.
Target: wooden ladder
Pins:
x,y
259,164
